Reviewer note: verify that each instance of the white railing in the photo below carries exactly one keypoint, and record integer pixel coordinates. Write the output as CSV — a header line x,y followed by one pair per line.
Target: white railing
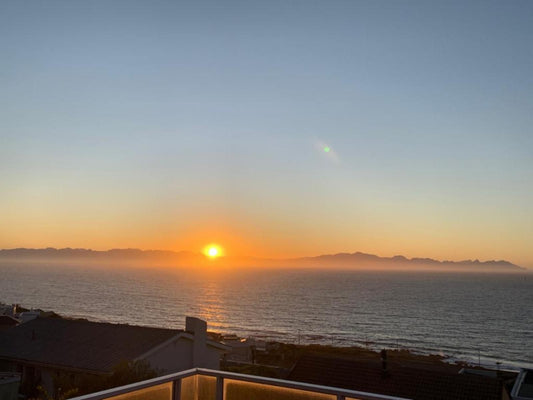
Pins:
x,y
205,384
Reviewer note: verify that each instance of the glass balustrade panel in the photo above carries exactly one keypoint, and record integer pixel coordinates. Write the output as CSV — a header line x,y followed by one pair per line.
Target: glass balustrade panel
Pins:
x,y
189,387
207,387
241,390
157,392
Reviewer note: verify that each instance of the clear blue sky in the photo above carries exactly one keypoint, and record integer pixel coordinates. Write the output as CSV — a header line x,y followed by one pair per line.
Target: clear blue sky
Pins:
x,y
164,124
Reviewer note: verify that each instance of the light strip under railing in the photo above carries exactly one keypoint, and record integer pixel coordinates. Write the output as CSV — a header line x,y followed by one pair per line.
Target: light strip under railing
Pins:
x,y
341,394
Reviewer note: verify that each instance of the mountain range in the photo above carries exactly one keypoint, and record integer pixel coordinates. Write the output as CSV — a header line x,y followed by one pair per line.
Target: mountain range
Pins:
x,y
355,260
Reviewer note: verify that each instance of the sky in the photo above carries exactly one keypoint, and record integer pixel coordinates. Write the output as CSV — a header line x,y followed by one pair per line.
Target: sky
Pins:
x,y
170,125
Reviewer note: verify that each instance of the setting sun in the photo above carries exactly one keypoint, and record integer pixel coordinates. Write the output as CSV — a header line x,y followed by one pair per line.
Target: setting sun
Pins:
x,y
213,251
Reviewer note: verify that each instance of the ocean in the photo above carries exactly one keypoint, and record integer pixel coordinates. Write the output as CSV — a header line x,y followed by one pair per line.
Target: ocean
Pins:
x,y
477,317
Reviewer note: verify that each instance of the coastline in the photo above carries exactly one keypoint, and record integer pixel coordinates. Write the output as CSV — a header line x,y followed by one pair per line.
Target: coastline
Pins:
x,y
280,356
475,318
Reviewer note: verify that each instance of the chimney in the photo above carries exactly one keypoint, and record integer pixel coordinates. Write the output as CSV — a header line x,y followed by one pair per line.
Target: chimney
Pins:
x,y
198,328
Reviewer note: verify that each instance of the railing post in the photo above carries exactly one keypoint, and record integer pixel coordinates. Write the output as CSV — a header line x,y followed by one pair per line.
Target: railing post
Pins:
x,y
220,388
176,389
341,397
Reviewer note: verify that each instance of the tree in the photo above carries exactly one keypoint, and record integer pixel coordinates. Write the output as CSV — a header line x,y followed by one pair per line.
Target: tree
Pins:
x,y
123,373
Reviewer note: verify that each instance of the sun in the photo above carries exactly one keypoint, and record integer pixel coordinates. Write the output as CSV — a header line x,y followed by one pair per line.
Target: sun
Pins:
x,y
213,251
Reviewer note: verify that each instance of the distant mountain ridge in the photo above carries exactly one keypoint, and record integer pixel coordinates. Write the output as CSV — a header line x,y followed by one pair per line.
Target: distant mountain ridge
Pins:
x,y
68,251
52,253
355,260
359,257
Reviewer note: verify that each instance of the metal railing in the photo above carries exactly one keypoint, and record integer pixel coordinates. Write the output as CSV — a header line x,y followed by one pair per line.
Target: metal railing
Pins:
x,y
250,387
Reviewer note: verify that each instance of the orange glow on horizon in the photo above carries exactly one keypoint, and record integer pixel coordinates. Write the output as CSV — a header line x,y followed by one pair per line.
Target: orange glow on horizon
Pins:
x,y
258,237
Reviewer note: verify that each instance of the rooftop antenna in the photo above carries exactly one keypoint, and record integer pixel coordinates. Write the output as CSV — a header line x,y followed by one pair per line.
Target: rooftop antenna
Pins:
x,y
384,366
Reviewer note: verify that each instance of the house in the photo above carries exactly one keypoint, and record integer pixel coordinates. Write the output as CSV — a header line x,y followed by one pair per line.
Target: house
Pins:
x,y
6,309
422,382
9,386
45,349
523,387
241,350
7,321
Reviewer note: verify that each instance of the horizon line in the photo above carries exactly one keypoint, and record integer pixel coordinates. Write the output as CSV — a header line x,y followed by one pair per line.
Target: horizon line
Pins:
x,y
264,258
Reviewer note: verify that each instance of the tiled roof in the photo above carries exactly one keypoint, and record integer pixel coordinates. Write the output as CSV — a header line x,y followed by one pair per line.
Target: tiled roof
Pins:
x,y
79,344
401,381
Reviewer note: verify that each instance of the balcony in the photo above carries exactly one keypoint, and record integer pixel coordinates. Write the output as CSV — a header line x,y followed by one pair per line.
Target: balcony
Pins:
x,y
205,384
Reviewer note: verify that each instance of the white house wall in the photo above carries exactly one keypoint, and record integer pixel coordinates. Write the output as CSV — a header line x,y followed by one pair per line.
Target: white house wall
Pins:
x,y
174,357
212,358
177,356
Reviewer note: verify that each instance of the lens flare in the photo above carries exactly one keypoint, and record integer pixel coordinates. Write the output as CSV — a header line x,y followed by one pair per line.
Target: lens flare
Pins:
x,y
327,151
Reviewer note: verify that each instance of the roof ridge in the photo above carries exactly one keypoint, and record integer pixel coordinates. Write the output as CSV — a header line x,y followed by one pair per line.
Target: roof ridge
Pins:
x,y
114,324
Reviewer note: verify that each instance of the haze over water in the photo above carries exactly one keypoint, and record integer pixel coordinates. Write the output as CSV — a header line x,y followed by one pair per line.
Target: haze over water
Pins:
x,y
464,316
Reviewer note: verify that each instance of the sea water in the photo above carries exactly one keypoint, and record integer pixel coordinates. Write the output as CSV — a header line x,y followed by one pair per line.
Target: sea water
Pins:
x,y
477,317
